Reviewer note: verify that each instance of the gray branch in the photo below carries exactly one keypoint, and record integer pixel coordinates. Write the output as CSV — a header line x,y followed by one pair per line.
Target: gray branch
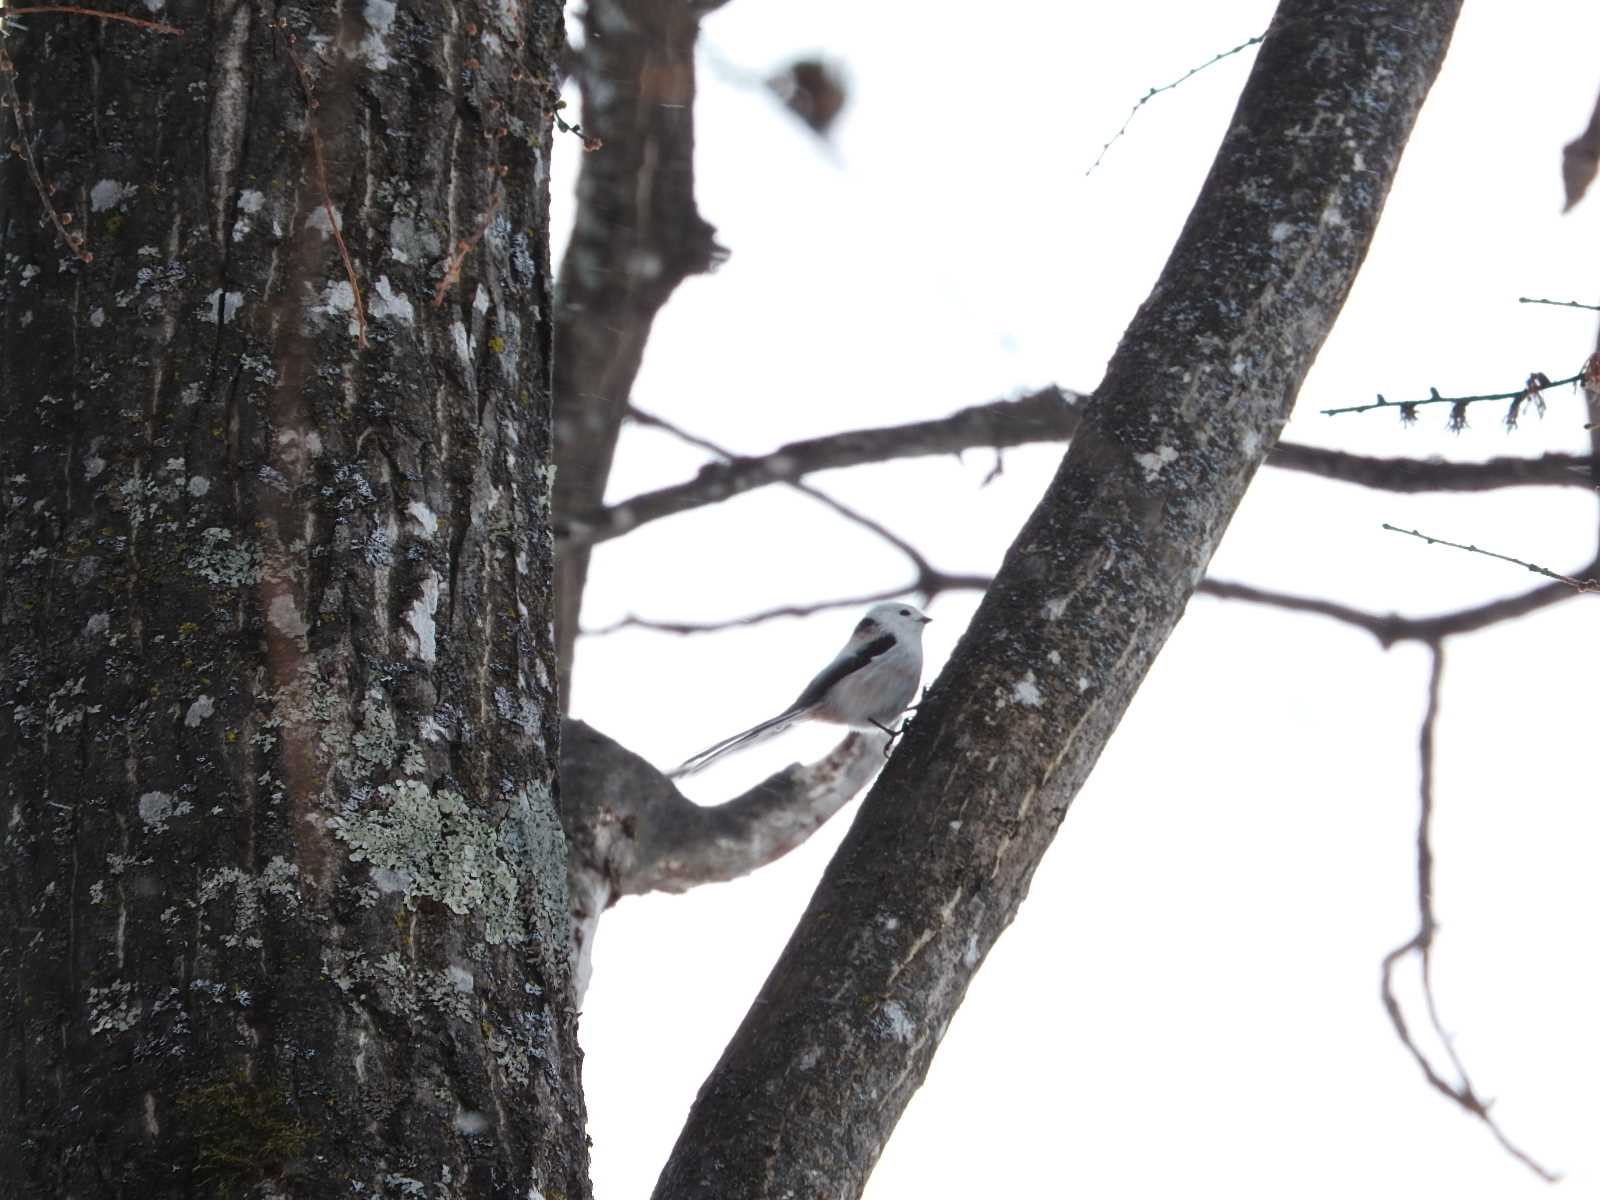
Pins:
x,y
638,235
1049,415
630,831
941,853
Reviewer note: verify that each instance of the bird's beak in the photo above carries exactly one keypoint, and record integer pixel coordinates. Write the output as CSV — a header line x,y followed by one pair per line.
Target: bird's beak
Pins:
x,y
926,620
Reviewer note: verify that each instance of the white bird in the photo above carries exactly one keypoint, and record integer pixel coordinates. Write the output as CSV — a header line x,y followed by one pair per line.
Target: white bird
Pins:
x,y
867,685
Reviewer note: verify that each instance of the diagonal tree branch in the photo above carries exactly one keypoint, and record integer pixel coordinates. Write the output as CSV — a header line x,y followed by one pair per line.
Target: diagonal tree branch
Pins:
x,y
924,568
638,235
630,831
1051,414
1048,415
1392,628
941,853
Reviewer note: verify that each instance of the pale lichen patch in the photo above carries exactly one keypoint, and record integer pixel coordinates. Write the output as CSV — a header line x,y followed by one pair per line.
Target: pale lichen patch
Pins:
x,y
379,15
109,193
279,879
390,304
427,520
444,847
377,743
893,1020
469,1124
338,299
155,808
219,560
113,1009
284,616
202,708
1153,462
318,221
1026,692
420,617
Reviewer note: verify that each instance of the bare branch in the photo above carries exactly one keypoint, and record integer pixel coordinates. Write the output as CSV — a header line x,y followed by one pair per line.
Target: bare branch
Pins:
x,y
1580,585
333,226
630,831
1421,944
1388,628
464,246
918,561
638,234
1416,475
79,11
1049,415
1559,303
23,146
1537,382
1167,87
927,586
1392,628
1045,416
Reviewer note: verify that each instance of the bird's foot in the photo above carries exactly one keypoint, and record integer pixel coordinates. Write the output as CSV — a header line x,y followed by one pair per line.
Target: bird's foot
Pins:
x,y
893,734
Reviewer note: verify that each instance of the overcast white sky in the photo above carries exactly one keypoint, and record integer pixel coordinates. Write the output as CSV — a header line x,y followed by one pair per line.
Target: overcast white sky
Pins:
x,y
1189,998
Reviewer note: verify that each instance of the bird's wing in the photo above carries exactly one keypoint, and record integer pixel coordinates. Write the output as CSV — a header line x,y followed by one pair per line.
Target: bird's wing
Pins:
x,y
848,663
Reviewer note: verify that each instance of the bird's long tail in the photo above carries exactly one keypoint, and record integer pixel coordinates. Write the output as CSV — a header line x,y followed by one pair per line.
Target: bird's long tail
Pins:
x,y
739,741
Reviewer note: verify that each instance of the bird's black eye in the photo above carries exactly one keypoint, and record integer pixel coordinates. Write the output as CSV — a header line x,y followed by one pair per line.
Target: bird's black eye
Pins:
x,y
867,625
905,612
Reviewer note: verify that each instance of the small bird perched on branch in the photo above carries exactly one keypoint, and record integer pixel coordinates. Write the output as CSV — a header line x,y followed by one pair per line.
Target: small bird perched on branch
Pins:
x,y
867,685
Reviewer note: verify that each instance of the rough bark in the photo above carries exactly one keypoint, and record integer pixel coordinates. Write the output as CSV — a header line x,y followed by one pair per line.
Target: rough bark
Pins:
x,y
283,892
638,235
941,853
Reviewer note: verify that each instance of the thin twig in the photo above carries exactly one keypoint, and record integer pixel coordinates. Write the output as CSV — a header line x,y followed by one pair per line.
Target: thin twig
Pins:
x,y
946,583
923,567
79,11
72,241
1392,628
1388,628
1558,303
1579,585
1167,87
590,142
1407,408
463,248
1421,943
338,238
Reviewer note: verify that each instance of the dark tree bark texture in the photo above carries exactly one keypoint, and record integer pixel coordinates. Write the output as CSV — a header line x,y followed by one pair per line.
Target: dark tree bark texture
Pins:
x,y
282,883
941,854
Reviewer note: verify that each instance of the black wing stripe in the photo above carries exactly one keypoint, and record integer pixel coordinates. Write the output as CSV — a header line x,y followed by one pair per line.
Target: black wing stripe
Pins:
x,y
848,665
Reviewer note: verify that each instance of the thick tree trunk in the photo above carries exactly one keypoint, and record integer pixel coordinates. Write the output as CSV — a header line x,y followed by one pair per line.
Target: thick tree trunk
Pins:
x,y
283,891
941,853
